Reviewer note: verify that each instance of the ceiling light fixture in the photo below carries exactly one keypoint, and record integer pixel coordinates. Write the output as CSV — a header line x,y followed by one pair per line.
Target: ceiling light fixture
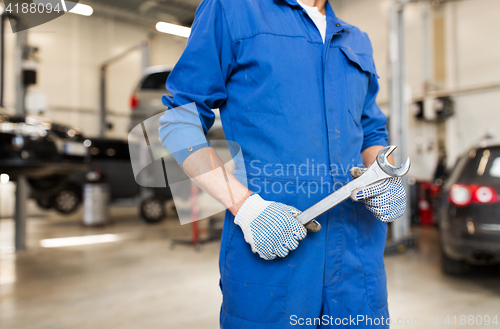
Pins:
x,y
80,9
173,29
4,178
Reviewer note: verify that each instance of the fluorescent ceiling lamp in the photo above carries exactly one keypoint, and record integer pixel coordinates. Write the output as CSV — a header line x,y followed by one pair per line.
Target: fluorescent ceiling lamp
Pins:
x,y
79,8
80,240
174,29
4,178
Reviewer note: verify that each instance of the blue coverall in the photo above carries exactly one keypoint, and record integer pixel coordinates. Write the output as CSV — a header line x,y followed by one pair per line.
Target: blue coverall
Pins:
x,y
302,112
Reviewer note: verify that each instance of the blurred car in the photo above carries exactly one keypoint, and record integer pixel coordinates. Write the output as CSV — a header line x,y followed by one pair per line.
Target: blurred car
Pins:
x,y
47,153
146,97
469,215
110,160
37,147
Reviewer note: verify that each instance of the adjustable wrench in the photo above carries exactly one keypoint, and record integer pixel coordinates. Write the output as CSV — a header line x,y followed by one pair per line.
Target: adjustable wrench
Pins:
x,y
380,169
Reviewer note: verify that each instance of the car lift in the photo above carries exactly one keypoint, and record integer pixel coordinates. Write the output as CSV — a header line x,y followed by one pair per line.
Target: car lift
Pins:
x,y
401,237
22,189
144,47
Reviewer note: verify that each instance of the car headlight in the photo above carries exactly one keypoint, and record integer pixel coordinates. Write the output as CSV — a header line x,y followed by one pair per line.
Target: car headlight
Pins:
x,y
18,142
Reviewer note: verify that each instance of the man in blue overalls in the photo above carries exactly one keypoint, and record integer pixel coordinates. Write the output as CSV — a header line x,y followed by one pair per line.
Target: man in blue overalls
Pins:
x,y
296,89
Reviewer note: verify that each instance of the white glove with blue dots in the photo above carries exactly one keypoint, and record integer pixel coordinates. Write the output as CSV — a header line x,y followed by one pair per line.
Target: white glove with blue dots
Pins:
x,y
386,200
270,227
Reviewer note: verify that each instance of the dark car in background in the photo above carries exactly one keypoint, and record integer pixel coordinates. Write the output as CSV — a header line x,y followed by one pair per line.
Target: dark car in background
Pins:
x,y
110,160
47,153
37,147
469,215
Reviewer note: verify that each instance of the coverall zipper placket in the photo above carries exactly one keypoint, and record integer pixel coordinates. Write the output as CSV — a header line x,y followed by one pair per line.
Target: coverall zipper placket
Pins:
x,y
324,59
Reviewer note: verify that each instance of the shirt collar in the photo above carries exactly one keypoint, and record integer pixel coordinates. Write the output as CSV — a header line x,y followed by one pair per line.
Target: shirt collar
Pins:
x,y
331,20
333,24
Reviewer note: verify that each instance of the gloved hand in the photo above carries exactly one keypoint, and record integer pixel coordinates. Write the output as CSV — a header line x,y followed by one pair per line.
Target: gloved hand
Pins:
x,y
386,200
269,227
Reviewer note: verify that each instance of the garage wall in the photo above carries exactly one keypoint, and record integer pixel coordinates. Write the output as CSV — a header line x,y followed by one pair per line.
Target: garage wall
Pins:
x,y
72,48
472,50
477,63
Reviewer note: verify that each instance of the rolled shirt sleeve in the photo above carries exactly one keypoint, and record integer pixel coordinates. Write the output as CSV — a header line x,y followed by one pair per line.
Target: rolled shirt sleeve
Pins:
x,y
181,131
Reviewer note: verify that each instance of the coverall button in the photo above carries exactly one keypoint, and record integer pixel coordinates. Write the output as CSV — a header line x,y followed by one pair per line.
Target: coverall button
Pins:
x,y
190,149
338,24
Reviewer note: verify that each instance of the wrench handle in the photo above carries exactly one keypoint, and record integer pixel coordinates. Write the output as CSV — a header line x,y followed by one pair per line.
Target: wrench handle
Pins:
x,y
324,205
373,175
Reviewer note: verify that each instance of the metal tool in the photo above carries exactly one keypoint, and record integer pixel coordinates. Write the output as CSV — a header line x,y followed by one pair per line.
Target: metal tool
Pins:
x,y
380,169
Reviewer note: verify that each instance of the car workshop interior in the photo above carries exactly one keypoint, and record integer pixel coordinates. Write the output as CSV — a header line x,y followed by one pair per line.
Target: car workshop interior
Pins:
x,y
93,234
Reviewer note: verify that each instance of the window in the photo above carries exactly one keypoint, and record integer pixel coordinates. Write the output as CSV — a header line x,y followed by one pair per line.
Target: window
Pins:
x,y
155,81
495,168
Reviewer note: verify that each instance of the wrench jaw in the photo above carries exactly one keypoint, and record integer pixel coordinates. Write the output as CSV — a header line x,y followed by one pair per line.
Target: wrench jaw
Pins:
x,y
389,169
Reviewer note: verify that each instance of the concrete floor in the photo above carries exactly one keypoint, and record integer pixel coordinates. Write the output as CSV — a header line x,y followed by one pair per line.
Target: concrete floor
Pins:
x,y
139,282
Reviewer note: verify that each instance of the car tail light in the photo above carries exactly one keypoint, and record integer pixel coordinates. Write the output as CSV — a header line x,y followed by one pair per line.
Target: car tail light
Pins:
x,y
485,194
134,102
463,195
460,195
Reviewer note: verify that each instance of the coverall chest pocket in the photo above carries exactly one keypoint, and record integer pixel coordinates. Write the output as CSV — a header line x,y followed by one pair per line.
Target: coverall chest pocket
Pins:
x,y
358,70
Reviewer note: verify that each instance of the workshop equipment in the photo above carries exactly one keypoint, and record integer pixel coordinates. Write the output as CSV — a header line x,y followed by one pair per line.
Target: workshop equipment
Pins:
x,y
95,200
380,169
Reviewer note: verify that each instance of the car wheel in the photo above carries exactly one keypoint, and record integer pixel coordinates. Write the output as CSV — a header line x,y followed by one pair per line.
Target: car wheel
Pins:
x,y
67,200
452,266
153,210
